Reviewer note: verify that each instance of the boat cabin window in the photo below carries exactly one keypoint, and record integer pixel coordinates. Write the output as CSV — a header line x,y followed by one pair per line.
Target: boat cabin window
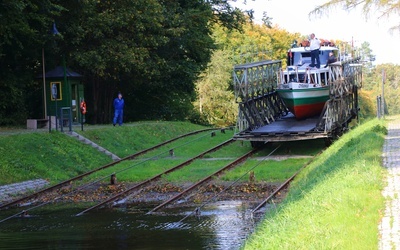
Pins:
x,y
324,56
302,58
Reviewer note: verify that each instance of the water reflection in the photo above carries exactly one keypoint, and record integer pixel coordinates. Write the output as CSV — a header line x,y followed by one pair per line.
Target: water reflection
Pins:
x,y
222,225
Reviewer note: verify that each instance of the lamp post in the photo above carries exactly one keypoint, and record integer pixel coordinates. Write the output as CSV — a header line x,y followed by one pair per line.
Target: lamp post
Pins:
x,y
44,85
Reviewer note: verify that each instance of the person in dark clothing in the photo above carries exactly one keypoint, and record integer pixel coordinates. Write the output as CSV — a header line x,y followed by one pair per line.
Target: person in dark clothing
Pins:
x,y
118,104
331,59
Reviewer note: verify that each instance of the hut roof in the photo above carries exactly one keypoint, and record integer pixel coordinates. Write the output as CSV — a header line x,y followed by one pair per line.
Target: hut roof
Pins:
x,y
58,72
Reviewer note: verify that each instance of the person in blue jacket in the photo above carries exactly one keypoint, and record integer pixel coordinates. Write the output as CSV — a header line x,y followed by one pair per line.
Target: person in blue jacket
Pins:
x,y
119,104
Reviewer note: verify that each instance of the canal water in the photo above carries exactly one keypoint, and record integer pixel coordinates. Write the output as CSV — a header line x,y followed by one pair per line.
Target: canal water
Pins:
x,y
221,225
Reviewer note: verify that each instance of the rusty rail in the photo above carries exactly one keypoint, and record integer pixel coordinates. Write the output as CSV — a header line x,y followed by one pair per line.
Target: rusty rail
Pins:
x,y
141,184
230,165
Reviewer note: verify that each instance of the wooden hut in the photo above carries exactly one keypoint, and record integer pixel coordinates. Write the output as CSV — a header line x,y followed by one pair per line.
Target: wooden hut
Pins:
x,y
69,92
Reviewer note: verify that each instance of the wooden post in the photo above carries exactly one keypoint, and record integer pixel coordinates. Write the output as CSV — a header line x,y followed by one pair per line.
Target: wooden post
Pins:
x,y
113,179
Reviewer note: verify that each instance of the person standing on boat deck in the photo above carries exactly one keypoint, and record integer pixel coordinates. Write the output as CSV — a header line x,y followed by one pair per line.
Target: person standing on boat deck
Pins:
x,y
315,44
118,104
331,59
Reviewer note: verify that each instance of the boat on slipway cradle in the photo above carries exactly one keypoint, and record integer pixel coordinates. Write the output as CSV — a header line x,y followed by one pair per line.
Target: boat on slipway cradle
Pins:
x,y
298,101
304,89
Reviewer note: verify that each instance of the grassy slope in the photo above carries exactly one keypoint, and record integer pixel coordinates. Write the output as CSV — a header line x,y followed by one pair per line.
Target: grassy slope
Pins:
x,y
128,139
53,156
335,203
57,157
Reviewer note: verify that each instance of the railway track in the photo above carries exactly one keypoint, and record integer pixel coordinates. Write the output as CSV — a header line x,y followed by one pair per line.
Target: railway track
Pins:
x,y
154,178
208,178
158,176
199,183
196,211
67,182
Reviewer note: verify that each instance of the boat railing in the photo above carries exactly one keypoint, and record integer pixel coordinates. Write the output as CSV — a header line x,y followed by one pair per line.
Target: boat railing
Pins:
x,y
317,76
307,75
286,75
344,80
342,77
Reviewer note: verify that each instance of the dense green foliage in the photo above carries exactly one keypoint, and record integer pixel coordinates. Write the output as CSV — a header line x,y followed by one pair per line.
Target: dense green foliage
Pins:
x,y
373,80
152,51
216,102
24,29
334,203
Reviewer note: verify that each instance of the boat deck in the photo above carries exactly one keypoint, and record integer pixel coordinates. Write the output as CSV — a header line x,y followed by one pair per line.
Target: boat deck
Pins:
x,y
287,128
287,124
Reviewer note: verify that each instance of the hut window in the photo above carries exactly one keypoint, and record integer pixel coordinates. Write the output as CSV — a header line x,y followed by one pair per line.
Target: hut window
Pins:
x,y
55,91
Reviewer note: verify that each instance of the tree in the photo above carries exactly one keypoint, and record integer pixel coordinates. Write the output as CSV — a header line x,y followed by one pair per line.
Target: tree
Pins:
x,y
373,80
388,7
153,51
111,42
24,30
366,55
267,21
216,101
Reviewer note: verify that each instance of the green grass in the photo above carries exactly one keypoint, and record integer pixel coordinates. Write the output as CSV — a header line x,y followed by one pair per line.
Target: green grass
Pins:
x,y
56,157
196,171
190,146
53,156
131,138
235,149
308,147
335,202
135,171
267,170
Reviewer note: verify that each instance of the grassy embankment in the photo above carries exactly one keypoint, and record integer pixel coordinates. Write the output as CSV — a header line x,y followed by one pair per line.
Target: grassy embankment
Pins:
x,y
57,157
336,202
159,160
54,156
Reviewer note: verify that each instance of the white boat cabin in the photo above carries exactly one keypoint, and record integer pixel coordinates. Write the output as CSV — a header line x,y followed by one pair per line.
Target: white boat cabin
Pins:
x,y
299,73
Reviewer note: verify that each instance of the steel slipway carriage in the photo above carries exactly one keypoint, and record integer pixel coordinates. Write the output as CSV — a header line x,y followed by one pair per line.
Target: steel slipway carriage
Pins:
x,y
299,102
